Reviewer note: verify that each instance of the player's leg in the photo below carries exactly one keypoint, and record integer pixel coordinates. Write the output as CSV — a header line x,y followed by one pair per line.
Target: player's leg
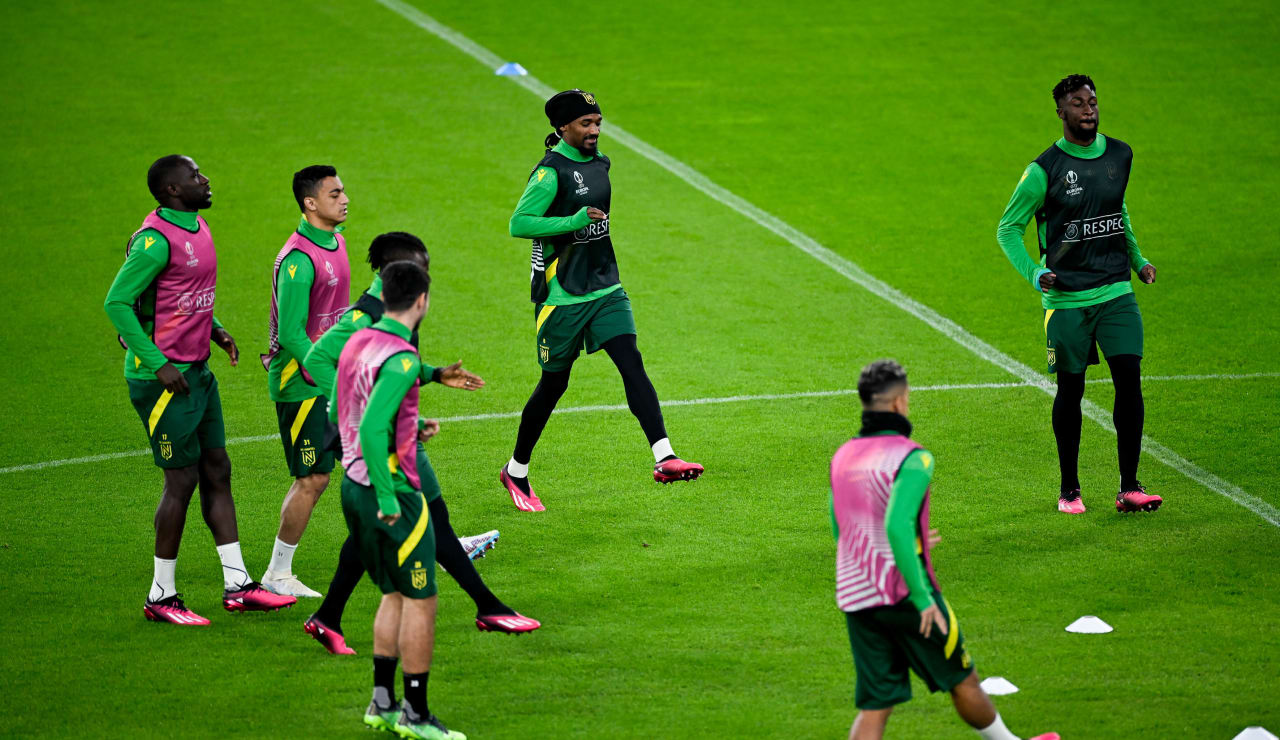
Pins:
x,y
881,669
1070,346
302,430
1120,335
869,724
326,624
383,709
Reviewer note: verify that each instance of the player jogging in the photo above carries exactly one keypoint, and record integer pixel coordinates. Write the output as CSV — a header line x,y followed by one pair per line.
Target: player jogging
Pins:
x,y
311,288
885,582
1075,189
161,304
454,554
578,300
383,502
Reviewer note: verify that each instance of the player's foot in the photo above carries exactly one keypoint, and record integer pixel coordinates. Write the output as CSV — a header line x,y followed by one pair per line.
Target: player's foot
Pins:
x,y
429,727
332,640
475,547
286,584
1048,736
523,496
512,624
252,597
172,610
673,469
1070,502
381,718
1137,499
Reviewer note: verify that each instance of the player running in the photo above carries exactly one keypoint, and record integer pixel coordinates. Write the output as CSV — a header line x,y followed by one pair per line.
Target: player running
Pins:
x,y
885,582
1076,191
453,553
161,304
311,288
578,300
383,501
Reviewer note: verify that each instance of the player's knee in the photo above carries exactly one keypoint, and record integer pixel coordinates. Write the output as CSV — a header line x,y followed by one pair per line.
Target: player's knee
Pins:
x,y
554,383
215,464
315,484
180,483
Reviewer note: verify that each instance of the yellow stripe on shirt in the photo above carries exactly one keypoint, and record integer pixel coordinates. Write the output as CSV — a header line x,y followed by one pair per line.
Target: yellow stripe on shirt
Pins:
x,y
288,372
419,529
551,269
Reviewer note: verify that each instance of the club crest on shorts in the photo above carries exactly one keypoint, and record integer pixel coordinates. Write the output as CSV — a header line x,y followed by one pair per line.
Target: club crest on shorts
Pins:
x,y
1053,357
544,352
166,447
419,575
308,455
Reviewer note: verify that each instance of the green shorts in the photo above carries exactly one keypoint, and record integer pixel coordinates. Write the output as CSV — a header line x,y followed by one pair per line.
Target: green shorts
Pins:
x,y
886,642
302,425
180,425
427,476
1074,335
563,331
400,558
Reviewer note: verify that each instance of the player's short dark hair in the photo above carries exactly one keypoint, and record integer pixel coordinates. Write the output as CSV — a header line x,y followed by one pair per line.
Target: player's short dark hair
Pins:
x,y
1070,84
160,174
402,283
307,179
395,246
878,378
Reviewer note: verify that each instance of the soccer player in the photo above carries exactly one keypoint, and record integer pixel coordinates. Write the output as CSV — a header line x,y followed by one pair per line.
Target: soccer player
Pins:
x,y
885,582
161,304
453,553
578,299
311,288
383,502
1075,189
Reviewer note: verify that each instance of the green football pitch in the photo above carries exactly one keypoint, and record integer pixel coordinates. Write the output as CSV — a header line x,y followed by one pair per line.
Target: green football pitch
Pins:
x,y
772,164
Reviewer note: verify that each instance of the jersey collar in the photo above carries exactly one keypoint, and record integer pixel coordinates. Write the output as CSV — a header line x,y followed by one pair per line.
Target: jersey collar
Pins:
x,y
1093,151
182,219
570,152
391,326
322,238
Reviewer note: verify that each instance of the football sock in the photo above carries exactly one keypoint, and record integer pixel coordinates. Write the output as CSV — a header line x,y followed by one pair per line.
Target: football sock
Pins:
x,y
1066,427
345,579
642,399
282,558
517,470
162,583
662,450
1128,415
537,410
451,557
996,731
384,681
415,693
234,573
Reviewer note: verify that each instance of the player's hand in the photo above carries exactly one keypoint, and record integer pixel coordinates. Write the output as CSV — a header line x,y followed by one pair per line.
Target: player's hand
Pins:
x,y
596,215
388,519
172,379
1147,274
430,428
934,538
222,338
1047,280
928,618
455,377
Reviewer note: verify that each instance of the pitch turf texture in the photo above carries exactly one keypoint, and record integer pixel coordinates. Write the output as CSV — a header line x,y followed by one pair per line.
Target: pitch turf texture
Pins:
x,y
893,136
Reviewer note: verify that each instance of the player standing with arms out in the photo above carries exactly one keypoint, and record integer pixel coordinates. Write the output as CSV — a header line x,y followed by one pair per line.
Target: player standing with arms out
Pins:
x,y
885,582
454,554
578,298
383,502
1076,189
311,288
161,304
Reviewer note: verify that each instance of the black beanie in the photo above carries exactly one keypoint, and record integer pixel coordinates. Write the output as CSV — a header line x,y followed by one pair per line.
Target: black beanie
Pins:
x,y
569,106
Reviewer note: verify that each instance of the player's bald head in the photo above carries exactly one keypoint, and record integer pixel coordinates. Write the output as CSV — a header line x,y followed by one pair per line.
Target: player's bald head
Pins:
x,y
880,383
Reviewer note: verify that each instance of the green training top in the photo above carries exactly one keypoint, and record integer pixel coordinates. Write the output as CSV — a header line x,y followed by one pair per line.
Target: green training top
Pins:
x,y
378,423
293,307
143,358
1028,197
529,222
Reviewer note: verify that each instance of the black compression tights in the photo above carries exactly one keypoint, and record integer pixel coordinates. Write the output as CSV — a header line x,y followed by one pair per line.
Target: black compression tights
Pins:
x,y
1127,414
642,399
1066,427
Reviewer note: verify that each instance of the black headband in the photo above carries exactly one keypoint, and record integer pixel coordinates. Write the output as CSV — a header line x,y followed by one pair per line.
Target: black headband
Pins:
x,y
569,106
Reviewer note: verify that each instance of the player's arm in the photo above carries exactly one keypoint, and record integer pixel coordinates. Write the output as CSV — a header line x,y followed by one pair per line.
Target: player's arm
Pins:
x,y
1137,262
394,380
529,221
293,304
148,256
322,359
1027,198
900,521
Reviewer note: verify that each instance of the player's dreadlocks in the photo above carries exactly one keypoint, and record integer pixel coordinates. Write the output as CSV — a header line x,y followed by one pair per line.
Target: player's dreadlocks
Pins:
x,y
879,378
394,246
1070,84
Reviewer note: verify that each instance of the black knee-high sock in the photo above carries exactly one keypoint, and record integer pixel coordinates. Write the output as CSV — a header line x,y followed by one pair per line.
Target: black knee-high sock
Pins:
x,y
642,399
1066,427
345,578
1128,414
451,556
537,410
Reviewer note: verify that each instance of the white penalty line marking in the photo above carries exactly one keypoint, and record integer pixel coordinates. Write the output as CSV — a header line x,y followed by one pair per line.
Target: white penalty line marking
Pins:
x,y
623,407
845,267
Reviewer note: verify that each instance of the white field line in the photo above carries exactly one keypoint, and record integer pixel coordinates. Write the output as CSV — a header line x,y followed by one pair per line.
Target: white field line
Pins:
x,y
845,267
623,407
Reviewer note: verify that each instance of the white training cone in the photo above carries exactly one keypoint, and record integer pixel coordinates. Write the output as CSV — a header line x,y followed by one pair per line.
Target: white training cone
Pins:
x,y
511,69
1089,625
997,686
1255,733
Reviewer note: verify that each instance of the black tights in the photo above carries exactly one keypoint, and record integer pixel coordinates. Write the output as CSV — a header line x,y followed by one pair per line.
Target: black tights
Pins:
x,y
1127,414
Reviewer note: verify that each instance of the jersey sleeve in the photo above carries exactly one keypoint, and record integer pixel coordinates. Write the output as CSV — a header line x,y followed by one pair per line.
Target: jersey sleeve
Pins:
x,y
1136,260
901,516
530,222
293,303
322,359
1028,197
394,381
148,255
